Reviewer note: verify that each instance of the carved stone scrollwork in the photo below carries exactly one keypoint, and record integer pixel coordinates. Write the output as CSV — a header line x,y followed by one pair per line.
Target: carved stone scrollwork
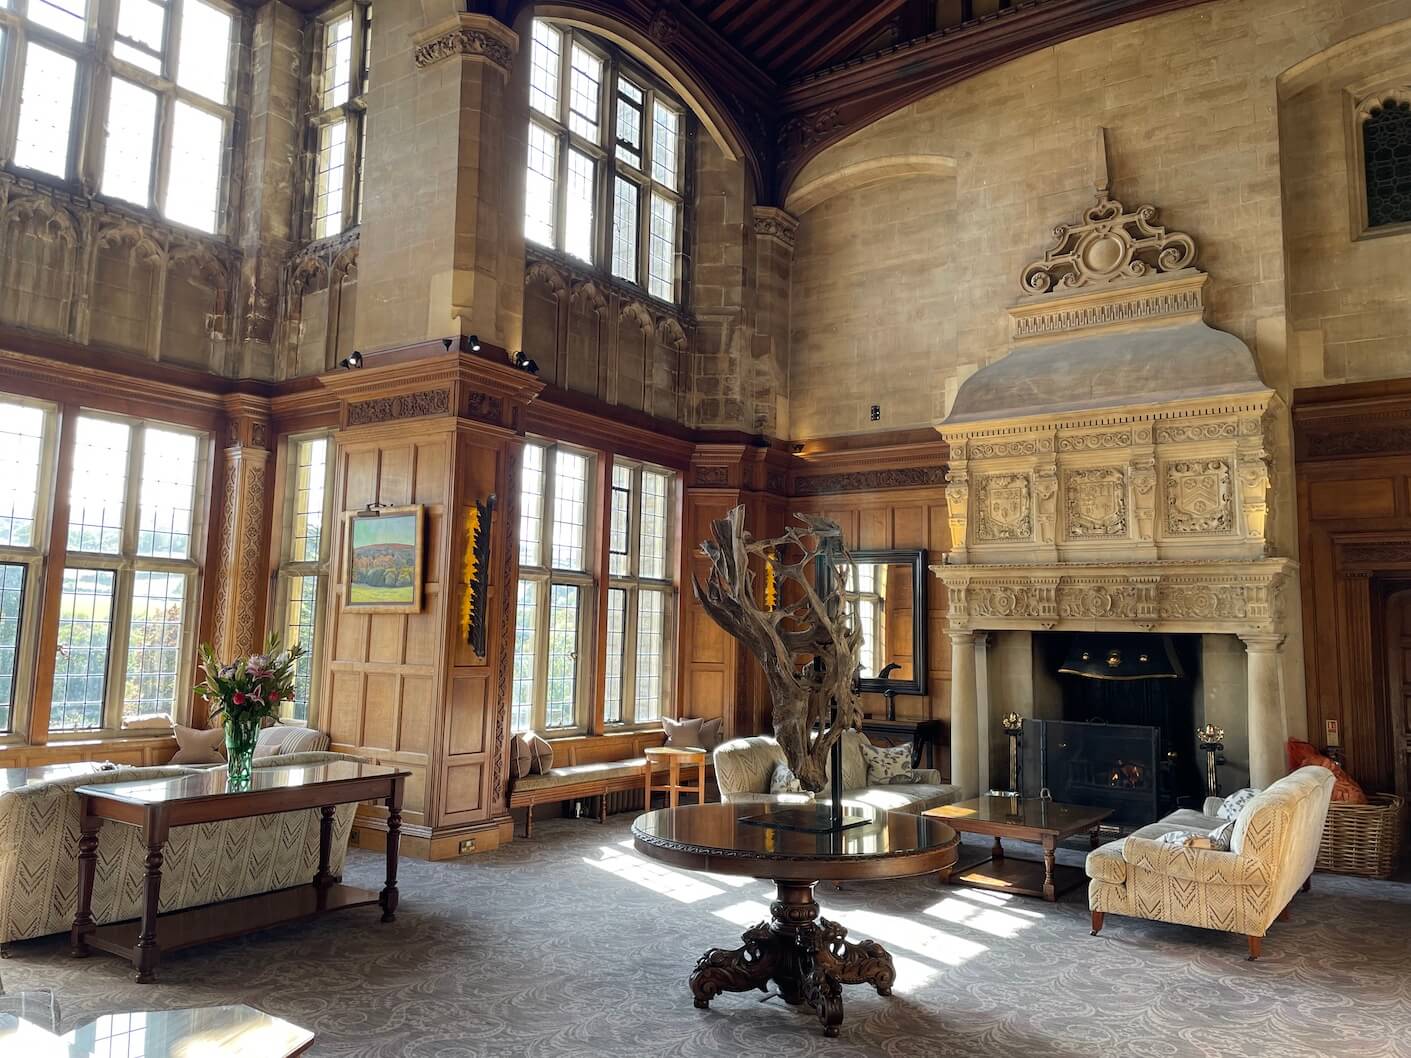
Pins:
x,y
469,35
1198,496
957,508
1005,509
1046,500
1143,475
1254,478
1097,503
1109,244
1097,601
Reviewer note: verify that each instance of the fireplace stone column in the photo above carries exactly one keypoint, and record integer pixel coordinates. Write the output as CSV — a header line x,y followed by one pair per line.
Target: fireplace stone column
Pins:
x,y
964,715
1266,708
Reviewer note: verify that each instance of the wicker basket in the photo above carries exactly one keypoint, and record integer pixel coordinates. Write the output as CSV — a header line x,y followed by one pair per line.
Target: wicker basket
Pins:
x,y
1362,839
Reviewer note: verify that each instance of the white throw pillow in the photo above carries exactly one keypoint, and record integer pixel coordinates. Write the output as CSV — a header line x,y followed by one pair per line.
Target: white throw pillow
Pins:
x,y
885,762
1231,806
1220,837
783,780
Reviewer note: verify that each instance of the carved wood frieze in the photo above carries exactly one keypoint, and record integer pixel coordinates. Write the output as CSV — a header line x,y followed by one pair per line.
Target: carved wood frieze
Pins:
x,y
402,406
1199,497
864,480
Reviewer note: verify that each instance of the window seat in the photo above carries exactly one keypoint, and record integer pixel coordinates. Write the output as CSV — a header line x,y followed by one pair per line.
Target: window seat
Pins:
x,y
572,781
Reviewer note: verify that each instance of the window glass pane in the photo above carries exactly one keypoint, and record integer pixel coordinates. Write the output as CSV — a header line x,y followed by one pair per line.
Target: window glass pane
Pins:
x,y
624,229
531,507
867,618
144,24
526,635
570,509
310,476
154,644
68,17
544,69
132,130
629,123
619,534
99,486
168,494
578,213
299,628
337,61
617,626
328,207
585,91
12,578
203,59
562,677
193,187
80,669
21,448
46,108
539,185
366,61
651,611
652,559
666,135
661,280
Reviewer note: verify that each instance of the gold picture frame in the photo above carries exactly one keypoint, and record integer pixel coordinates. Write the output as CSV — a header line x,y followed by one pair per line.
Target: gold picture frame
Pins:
x,y
383,543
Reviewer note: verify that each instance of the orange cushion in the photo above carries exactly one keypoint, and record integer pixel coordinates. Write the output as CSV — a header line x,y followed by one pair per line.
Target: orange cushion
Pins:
x,y
1345,788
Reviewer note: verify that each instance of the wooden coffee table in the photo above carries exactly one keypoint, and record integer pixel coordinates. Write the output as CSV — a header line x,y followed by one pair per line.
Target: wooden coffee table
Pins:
x,y
1019,819
807,957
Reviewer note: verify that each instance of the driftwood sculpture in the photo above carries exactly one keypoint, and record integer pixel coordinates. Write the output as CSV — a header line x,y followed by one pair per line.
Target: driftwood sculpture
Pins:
x,y
807,643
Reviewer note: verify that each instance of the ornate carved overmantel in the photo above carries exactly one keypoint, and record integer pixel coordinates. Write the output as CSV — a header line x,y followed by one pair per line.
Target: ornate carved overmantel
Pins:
x,y
1113,470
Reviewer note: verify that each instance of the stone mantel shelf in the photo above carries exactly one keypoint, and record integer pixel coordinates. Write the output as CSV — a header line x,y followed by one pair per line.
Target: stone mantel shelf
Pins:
x,y
1243,598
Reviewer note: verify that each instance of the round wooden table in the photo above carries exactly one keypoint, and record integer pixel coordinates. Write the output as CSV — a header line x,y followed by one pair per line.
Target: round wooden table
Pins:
x,y
807,956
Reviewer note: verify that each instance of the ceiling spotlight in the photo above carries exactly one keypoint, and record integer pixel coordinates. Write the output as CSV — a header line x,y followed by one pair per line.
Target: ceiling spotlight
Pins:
x,y
525,364
352,361
474,342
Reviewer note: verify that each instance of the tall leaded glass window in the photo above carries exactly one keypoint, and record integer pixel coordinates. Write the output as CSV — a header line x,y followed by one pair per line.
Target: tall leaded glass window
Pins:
x,y
303,569
605,176
133,96
1386,154
342,63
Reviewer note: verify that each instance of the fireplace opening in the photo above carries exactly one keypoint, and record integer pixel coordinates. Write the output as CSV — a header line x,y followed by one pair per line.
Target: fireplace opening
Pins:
x,y
1118,727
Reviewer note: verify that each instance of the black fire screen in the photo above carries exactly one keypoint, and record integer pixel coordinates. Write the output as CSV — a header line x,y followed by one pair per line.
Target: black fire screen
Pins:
x,y
1102,765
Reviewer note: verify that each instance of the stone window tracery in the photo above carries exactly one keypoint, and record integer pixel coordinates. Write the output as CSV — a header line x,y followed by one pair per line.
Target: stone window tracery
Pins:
x,y
1386,154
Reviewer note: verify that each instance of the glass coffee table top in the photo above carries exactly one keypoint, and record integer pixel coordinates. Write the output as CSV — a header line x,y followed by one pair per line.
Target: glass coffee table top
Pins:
x,y
1028,813
212,1032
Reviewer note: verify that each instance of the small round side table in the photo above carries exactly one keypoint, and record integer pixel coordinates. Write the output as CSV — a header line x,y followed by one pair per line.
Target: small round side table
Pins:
x,y
674,759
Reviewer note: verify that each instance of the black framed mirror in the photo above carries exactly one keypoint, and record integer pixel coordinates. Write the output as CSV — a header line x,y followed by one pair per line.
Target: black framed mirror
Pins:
x,y
887,590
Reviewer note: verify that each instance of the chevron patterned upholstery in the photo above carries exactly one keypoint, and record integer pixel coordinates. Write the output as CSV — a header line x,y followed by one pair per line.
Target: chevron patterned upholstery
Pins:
x,y
1272,851
39,831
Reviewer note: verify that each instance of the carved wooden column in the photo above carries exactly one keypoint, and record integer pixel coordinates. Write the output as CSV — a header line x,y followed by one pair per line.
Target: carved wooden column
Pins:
x,y
1267,724
964,714
240,566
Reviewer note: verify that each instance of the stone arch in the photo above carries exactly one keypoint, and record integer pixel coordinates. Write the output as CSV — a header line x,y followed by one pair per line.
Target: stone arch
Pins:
x,y
196,305
669,375
821,179
342,306
38,264
636,342
546,310
129,283
306,276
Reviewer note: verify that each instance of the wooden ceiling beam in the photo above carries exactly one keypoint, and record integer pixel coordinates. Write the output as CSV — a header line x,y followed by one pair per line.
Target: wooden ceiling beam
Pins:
x,y
821,30
841,43
782,10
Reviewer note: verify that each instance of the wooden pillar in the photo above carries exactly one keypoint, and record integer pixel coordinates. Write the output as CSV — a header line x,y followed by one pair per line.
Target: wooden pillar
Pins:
x,y
445,433
240,570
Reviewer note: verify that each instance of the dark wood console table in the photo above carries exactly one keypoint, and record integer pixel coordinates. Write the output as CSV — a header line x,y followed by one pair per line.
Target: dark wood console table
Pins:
x,y
927,734
157,806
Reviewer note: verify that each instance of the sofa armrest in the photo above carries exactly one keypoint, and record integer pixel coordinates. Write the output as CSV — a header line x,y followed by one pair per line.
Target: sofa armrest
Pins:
x,y
926,777
1212,806
752,798
1195,865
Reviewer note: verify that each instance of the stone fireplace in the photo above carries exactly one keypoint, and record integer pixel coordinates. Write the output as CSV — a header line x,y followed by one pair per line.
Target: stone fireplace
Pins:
x,y
1112,474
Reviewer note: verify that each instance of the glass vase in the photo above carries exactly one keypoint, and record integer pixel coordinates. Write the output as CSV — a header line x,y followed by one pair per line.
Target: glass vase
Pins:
x,y
241,734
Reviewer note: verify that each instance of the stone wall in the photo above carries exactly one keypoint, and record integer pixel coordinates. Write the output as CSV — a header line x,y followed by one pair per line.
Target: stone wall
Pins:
x,y
1192,107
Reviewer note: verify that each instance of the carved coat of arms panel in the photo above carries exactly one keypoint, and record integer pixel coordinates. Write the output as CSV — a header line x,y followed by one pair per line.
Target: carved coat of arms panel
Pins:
x,y
1096,503
1198,496
1005,508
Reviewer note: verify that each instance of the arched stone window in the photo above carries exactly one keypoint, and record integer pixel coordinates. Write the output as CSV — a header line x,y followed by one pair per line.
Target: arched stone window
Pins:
x,y
1386,155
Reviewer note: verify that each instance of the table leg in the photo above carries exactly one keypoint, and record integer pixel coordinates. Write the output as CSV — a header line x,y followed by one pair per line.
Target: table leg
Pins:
x,y
998,851
647,787
87,867
147,953
323,880
673,772
388,899
1093,837
1050,847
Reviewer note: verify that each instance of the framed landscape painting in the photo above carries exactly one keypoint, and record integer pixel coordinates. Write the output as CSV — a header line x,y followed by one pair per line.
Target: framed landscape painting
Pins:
x,y
384,566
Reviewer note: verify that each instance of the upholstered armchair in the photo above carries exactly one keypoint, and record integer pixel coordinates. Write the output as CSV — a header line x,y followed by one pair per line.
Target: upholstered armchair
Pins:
x,y
1272,853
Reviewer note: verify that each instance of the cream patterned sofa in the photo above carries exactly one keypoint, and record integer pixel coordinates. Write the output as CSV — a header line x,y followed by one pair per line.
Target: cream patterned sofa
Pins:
x,y
743,767
39,831
1272,852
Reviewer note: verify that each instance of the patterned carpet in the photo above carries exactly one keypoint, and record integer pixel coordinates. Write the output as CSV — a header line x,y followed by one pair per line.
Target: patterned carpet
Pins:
x,y
572,945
